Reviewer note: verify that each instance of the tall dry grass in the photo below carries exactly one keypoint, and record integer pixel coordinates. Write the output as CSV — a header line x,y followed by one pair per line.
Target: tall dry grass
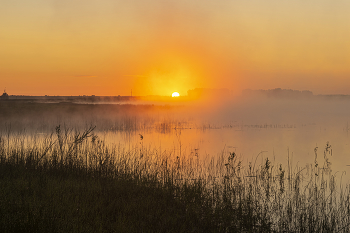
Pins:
x,y
221,193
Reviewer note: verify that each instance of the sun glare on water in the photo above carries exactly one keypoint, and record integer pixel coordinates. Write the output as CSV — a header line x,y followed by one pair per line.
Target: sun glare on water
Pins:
x,y
175,94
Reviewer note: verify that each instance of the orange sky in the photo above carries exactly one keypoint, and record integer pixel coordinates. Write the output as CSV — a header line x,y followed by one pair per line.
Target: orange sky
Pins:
x,y
156,47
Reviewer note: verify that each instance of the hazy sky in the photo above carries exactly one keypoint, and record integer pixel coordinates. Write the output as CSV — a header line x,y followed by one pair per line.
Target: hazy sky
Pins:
x,y
155,47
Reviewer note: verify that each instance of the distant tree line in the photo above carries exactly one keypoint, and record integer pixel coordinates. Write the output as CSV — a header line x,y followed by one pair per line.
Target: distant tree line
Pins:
x,y
278,93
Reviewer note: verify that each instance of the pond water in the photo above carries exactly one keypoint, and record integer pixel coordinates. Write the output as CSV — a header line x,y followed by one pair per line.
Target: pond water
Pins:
x,y
281,130
297,142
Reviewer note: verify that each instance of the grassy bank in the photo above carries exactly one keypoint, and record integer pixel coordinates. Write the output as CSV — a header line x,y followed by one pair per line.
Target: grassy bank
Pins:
x,y
45,200
72,181
43,117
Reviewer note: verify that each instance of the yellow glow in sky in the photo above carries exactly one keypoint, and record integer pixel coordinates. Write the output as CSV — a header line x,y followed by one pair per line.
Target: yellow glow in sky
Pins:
x,y
175,94
108,47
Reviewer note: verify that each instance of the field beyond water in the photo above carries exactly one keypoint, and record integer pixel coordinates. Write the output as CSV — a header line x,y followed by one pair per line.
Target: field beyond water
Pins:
x,y
70,179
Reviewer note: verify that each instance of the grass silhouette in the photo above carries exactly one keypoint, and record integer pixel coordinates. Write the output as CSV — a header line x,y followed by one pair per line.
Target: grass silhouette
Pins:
x,y
72,181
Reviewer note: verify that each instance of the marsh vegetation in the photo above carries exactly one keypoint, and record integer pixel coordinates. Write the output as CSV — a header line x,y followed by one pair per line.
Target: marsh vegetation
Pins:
x,y
72,179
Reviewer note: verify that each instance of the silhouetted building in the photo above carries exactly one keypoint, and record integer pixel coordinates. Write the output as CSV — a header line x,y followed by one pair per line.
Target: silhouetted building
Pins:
x,y
4,96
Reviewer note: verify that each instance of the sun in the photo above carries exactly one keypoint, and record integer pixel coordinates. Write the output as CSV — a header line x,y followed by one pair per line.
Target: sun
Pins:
x,y
175,94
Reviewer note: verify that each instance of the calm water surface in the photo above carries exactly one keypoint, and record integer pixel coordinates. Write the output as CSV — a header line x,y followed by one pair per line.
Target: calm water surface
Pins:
x,y
253,130
276,142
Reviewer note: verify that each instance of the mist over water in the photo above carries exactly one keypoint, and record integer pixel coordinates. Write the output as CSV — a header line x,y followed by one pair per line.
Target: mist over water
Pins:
x,y
254,128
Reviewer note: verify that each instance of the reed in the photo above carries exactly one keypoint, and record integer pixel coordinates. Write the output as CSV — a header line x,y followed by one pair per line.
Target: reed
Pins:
x,y
72,180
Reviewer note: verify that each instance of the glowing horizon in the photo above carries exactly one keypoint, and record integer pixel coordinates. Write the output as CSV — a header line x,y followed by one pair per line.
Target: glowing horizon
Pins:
x,y
110,47
175,94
